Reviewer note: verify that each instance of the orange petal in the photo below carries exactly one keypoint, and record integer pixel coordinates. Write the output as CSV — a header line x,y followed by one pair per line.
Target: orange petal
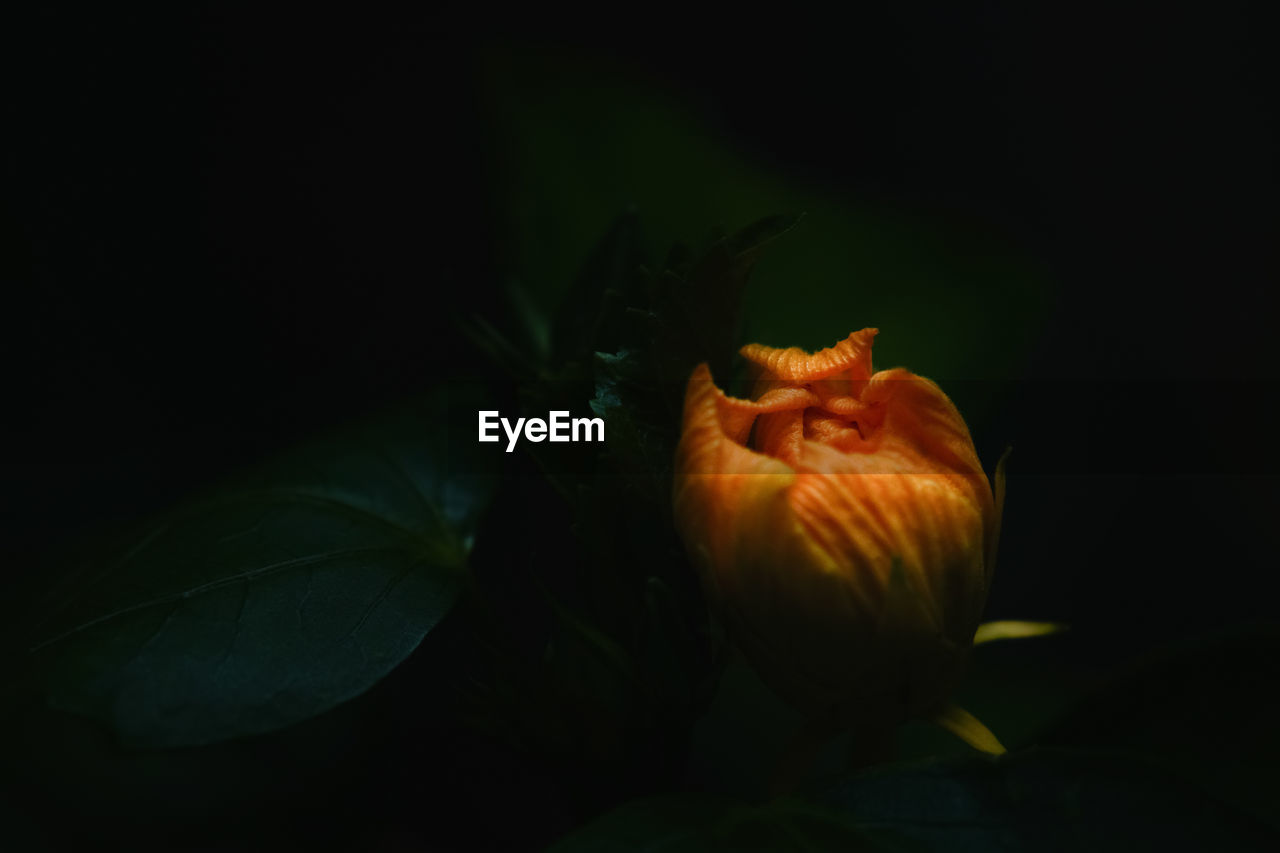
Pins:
x,y
720,487
781,435
920,420
716,426
913,489
737,415
852,355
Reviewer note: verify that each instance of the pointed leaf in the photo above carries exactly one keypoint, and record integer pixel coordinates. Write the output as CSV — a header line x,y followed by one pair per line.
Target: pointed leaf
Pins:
x,y
590,315
1015,629
273,599
969,729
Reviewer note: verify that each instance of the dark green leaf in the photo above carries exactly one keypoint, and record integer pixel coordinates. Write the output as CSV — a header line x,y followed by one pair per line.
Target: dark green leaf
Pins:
x,y
1036,800
1044,799
642,429
696,309
590,315
744,246
1199,709
293,589
702,822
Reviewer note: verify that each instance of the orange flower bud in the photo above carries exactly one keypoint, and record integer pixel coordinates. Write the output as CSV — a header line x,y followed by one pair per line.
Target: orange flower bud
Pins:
x,y
843,526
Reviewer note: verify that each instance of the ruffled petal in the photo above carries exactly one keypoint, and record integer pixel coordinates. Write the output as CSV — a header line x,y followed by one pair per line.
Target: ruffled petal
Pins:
x,y
717,478
737,415
716,425
851,356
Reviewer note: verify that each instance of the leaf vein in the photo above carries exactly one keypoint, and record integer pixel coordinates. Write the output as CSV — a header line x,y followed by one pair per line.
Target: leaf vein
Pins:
x,y
247,575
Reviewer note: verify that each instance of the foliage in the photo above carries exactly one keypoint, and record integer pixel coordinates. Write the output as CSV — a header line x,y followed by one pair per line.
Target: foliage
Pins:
x,y
267,603
272,598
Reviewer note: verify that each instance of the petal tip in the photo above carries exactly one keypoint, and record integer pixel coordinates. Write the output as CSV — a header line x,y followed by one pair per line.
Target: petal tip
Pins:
x,y
794,364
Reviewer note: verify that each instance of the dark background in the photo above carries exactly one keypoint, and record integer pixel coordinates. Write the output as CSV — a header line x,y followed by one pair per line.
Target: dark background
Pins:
x,y
230,231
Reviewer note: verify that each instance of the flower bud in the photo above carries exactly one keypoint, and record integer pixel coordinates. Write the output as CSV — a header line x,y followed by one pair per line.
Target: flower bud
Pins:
x,y
843,527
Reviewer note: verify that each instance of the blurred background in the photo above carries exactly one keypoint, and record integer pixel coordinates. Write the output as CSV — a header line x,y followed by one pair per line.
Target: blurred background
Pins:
x,y
230,230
